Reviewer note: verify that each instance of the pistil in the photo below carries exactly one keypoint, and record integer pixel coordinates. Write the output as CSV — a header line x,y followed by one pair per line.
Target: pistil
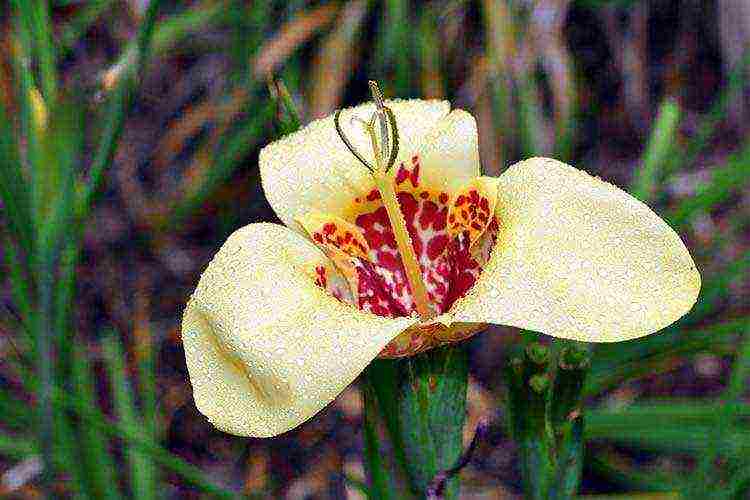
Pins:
x,y
385,183
385,153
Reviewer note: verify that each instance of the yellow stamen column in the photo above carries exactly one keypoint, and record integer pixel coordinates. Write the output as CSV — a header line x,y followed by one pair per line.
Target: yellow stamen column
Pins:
x,y
405,245
425,394
385,184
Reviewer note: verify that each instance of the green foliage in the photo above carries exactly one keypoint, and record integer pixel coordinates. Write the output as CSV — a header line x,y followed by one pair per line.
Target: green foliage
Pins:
x,y
421,401
545,406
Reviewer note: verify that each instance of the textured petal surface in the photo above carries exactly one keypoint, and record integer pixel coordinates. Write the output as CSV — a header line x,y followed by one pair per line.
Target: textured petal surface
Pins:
x,y
578,258
449,154
313,170
266,347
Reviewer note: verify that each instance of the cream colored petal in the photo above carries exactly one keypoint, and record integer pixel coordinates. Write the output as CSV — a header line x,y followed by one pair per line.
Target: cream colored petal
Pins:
x,y
578,258
312,169
266,348
449,154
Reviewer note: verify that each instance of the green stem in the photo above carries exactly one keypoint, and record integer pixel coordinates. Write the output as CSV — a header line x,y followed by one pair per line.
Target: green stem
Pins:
x,y
422,403
546,419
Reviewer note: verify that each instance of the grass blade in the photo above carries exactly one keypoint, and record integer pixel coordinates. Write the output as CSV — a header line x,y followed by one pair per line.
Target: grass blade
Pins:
x,y
95,456
142,473
116,114
724,181
14,189
660,145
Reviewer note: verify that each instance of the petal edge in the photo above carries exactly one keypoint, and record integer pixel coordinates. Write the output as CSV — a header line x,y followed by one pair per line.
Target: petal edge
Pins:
x,y
266,348
578,258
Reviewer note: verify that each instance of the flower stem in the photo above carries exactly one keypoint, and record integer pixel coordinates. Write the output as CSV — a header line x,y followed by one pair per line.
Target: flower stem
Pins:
x,y
546,419
421,402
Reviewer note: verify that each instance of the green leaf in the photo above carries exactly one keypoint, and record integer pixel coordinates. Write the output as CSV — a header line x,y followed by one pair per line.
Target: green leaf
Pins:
x,y
234,147
375,463
422,400
705,475
660,145
614,363
287,116
36,27
93,444
80,23
116,114
668,427
142,472
17,448
394,49
717,113
724,181
14,189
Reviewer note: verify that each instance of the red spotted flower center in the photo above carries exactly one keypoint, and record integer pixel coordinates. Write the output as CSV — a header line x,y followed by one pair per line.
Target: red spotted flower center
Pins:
x,y
451,234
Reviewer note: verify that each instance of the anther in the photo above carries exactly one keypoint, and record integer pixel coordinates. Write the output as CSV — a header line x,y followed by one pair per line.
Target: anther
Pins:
x,y
377,97
347,142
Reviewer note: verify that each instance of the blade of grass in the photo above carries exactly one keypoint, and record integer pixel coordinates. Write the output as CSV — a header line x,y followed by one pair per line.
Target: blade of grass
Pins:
x,y
660,145
100,425
500,43
98,429
234,148
36,24
19,288
714,289
146,360
53,170
634,479
667,431
717,112
432,85
530,117
44,335
724,181
14,190
165,35
379,485
16,413
13,447
394,48
96,459
116,114
705,475
81,23
631,360
142,472
64,304
67,452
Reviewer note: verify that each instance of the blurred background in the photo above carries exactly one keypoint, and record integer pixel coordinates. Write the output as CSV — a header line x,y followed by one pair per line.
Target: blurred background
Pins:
x,y
129,138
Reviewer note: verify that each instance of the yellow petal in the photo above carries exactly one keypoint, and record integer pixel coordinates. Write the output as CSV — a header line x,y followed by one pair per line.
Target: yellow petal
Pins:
x,y
266,348
578,258
449,154
312,169
341,241
331,232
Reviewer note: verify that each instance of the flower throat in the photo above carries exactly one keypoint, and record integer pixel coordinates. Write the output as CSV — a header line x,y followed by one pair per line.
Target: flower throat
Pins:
x,y
385,142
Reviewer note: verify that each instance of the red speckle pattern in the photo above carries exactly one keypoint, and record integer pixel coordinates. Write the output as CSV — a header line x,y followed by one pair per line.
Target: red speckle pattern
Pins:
x,y
331,235
449,266
408,173
452,239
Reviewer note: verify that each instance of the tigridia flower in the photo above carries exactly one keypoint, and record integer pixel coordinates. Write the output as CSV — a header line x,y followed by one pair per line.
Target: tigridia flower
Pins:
x,y
395,243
